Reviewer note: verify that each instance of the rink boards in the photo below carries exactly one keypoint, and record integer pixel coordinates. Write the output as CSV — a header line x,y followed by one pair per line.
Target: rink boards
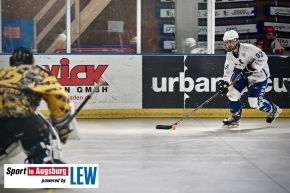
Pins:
x,y
154,85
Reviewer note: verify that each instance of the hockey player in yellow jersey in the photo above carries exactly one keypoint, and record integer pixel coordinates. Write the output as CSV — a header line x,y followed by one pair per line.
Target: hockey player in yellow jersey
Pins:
x,y
22,87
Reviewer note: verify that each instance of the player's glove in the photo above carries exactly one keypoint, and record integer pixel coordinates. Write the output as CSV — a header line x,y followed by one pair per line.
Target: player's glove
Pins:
x,y
223,87
60,125
247,71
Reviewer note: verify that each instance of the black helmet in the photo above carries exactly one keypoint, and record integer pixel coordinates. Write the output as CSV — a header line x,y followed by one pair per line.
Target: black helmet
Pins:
x,y
21,56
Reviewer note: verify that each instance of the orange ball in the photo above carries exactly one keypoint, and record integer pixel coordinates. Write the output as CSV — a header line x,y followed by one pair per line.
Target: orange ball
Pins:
x,y
173,127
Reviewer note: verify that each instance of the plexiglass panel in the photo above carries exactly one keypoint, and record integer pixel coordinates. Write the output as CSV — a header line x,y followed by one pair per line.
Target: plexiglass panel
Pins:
x,y
111,26
37,25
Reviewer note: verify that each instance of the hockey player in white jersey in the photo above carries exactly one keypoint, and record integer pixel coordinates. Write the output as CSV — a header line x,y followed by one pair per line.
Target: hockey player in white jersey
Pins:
x,y
255,73
191,44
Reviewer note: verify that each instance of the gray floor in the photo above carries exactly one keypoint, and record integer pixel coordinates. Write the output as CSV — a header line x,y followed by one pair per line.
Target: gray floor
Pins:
x,y
199,156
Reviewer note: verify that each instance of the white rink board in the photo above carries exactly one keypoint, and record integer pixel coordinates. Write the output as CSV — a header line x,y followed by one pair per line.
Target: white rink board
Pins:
x,y
123,73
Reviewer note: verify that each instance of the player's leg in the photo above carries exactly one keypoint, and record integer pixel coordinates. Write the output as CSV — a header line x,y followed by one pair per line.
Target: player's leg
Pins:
x,y
234,96
55,142
46,147
256,100
9,146
34,136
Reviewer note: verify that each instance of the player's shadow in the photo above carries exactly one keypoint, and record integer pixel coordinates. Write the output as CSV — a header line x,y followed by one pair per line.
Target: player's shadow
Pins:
x,y
241,130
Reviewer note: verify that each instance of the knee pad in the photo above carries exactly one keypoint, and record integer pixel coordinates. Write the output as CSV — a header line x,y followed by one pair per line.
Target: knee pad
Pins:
x,y
253,102
234,94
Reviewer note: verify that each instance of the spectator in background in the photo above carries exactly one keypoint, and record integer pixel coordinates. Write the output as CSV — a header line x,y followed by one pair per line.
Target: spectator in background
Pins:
x,y
133,43
191,44
269,43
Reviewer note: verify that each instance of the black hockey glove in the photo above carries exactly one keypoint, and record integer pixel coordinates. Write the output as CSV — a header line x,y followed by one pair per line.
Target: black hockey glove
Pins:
x,y
247,71
223,87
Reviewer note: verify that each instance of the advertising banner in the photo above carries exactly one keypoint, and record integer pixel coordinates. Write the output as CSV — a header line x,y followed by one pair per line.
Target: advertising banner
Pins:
x,y
167,28
51,176
224,1
165,12
160,82
219,30
166,1
167,44
285,42
152,81
219,13
281,11
230,13
188,81
205,1
281,27
78,74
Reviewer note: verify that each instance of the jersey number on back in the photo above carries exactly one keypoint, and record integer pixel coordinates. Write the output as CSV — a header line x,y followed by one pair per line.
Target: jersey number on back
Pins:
x,y
11,78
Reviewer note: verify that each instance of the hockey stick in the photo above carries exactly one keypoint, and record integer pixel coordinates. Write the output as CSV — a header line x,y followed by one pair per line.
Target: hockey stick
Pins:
x,y
89,96
64,136
287,85
196,109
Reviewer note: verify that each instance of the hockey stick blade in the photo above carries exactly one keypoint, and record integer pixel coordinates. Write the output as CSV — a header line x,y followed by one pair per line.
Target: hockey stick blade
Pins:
x,y
196,109
163,126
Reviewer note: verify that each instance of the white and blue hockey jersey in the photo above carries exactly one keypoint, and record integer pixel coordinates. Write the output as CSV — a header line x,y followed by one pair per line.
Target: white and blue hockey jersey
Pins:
x,y
248,54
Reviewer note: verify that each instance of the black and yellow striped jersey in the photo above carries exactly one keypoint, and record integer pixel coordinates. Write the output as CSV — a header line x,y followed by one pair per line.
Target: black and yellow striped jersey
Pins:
x,y
23,87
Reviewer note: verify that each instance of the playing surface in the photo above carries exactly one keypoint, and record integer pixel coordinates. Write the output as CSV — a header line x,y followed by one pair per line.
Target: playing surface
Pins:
x,y
198,157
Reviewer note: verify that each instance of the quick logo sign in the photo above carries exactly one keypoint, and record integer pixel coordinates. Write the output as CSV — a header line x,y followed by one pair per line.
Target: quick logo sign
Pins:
x,y
67,76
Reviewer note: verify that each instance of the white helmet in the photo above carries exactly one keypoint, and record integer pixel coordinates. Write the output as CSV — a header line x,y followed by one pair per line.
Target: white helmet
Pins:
x,y
231,35
190,42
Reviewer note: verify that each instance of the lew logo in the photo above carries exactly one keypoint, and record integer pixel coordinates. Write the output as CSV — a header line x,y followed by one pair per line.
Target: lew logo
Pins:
x,y
83,175
80,75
